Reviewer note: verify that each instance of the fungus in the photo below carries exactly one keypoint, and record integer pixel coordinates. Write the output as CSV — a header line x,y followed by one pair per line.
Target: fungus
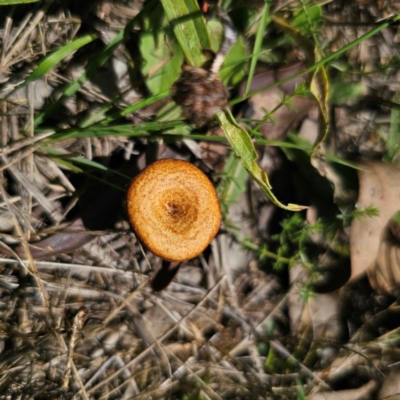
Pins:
x,y
173,209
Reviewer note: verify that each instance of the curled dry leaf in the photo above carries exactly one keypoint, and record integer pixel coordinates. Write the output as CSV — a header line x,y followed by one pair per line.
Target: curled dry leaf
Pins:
x,y
374,248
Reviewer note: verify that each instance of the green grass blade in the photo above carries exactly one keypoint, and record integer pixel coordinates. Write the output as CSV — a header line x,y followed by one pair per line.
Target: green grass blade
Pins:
x,y
115,130
93,67
257,45
66,163
54,58
71,160
12,2
134,107
322,62
242,145
165,131
189,28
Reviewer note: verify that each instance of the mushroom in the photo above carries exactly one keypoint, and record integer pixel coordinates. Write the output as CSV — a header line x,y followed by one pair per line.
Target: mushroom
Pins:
x,y
173,209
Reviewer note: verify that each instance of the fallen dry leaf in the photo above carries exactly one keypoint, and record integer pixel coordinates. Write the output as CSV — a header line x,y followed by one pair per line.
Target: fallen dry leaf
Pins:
x,y
384,273
378,187
390,388
361,393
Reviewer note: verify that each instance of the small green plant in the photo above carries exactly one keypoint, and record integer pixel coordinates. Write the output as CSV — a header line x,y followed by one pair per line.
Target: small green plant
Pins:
x,y
293,239
358,213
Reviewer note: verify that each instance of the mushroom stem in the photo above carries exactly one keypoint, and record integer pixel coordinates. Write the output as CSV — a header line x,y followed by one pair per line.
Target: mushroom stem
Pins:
x,y
164,274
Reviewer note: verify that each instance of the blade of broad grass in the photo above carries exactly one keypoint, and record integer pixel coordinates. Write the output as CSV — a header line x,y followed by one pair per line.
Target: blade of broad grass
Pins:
x,y
93,67
242,145
53,59
189,28
324,61
257,44
161,62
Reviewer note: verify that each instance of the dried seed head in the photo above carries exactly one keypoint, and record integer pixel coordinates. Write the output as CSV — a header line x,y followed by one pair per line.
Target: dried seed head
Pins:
x,y
201,94
199,91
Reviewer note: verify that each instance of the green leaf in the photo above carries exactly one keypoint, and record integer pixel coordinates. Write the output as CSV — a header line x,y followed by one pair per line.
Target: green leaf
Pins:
x,y
242,145
215,32
162,60
233,70
308,19
189,28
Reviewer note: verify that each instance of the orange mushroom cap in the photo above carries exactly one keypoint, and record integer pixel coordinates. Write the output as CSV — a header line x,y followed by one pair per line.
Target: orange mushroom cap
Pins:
x,y
173,209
